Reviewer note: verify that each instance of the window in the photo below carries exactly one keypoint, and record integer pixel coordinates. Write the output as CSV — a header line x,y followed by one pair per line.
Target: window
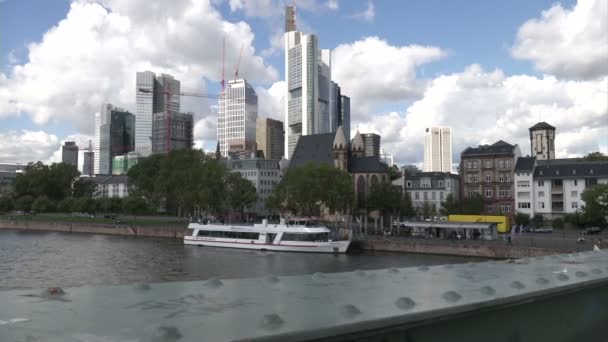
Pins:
x,y
523,205
441,195
541,183
541,205
575,182
488,163
305,237
501,178
574,205
417,195
471,194
489,208
501,163
475,164
574,194
541,194
590,181
469,165
441,184
488,192
503,192
433,195
475,179
507,178
408,184
425,195
488,177
523,184
508,164
229,235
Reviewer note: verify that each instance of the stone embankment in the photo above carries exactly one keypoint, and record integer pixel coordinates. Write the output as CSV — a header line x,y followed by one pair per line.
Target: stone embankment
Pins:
x,y
93,228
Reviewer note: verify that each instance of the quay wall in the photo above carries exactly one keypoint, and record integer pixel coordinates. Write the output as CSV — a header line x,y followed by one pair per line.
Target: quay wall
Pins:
x,y
454,248
92,228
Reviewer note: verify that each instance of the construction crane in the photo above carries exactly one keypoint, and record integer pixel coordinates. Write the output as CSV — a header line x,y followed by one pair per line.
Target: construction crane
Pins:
x,y
168,96
238,63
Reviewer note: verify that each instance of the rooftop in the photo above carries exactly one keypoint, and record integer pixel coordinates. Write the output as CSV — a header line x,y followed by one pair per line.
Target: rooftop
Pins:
x,y
369,164
525,164
542,125
315,148
570,168
498,148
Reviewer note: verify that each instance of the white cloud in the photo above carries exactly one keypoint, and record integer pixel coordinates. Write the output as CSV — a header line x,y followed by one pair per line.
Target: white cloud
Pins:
x,y
485,106
332,4
81,140
91,57
567,43
27,146
371,71
272,101
368,14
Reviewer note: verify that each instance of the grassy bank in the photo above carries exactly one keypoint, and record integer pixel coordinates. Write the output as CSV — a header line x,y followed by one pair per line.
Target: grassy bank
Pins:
x,y
140,221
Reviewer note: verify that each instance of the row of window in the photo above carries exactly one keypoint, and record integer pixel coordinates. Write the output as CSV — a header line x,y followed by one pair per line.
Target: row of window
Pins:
x,y
229,235
320,237
503,208
501,192
526,205
488,178
425,195
500,163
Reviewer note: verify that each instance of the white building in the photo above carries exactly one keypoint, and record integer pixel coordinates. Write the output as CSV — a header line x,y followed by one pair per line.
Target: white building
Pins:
x,y
542,141
309,86
109,186
238,113
387,158
151,95
429,187
438,149
265,174
553,188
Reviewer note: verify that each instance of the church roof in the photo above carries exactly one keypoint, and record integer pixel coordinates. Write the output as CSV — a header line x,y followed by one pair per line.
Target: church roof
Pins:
x,y
317,148
369,164
340,140
541,125
357,143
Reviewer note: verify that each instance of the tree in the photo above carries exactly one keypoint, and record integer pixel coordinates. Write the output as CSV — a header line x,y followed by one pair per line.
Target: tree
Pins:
x,y
558,223
596,156
595,210
84,205
6,204
241,193
426,210
84,187
538,220
134,206
472,205
24,203
42,205
522,219
54,181
394,172
385,198
450,206
405,206
65,205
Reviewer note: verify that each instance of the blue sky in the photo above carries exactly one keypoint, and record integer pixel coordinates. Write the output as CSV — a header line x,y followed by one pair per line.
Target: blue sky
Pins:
x,y
466,32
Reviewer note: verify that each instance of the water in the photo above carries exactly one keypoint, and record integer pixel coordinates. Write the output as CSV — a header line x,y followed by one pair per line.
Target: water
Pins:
x,y
45,259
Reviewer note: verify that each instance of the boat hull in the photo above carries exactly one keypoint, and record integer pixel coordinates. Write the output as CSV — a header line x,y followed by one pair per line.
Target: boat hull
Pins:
x,y
325,247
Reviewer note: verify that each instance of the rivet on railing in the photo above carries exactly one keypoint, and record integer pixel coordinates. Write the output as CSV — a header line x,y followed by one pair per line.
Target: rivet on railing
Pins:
x,y
167,334
214,283
581,274
517,285
562,277
596,271
423,268
350,311
452,296
393,270
405,303
488,290
542,281
272,322
142,287
273,279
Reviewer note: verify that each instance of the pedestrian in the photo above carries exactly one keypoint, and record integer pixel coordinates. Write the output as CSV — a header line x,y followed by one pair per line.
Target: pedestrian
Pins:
x,y
509,240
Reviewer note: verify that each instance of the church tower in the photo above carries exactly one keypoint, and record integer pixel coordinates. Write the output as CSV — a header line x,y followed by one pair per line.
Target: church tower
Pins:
x,y
358,146
340,148
542,141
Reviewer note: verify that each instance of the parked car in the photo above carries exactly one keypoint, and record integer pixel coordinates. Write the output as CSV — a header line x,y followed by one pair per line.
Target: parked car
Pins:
x,y
545,229
528,229
592,230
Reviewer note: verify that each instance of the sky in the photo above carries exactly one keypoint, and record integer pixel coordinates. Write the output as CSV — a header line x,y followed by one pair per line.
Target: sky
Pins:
x,y
489,69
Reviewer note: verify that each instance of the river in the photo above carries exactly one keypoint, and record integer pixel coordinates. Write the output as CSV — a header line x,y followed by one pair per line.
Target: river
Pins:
x,y
45,259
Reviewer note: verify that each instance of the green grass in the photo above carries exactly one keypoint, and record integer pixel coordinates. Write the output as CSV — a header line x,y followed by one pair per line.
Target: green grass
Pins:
x,y
142,221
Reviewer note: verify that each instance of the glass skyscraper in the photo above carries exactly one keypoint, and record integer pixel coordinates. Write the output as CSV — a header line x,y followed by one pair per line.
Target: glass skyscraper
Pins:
x,y
152,93
114,135
236,123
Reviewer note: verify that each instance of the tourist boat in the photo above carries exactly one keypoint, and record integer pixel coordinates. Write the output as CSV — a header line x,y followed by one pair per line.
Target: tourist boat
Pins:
x,y
295,235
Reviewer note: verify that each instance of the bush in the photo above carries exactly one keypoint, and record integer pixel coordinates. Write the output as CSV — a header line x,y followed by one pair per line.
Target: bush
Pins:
x,y
7,204
522,219
84,205
65,205
538,220
24,203
42,205
134,206
558,223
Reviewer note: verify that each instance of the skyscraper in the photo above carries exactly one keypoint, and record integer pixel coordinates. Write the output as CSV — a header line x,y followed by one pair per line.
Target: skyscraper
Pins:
x,y
236,122
371,141
270,138
114,135
88,165
344,119
69,153
438,149
309,86
152,93
542,141
181,132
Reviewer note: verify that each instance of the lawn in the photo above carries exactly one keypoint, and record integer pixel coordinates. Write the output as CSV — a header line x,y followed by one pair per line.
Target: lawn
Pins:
x,y
143,221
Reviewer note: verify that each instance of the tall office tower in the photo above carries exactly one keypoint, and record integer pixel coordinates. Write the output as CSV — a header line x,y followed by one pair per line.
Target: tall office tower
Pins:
x,y
542,141
114,136
236,121
335,104
308,73
69,153
181,132
88,164
438,149
270,138
371,142
344,119
152,93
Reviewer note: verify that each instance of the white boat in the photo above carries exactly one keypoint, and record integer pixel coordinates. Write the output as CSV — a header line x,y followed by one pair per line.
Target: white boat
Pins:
x,y
292,236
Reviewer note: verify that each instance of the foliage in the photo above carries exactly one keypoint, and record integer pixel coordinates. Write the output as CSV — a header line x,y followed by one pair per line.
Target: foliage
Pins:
x,y
596,156
305,188
394,172
472,205
84,205
522,219
426,209
385,198
54,181
595,210
42,205
24,203
84,187
6,204
135,206
65,205
405,206
538,220
558,223
241,192
450,206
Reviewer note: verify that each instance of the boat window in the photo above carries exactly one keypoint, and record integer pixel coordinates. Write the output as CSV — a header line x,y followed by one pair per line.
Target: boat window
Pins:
x,y
189,231
311,224
229,235
319,237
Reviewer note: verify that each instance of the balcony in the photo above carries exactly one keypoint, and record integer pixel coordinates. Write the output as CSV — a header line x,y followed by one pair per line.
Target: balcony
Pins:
x,y
557,190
